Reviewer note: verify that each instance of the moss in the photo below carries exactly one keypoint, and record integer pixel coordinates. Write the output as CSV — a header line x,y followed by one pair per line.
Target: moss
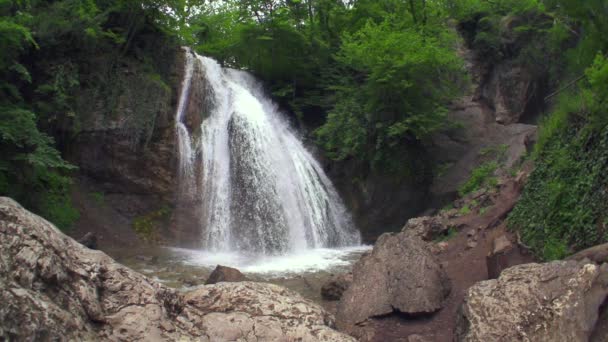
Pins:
x,y
147,226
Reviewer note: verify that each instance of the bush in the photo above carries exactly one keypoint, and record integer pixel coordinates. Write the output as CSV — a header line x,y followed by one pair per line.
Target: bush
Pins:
x,y
481,176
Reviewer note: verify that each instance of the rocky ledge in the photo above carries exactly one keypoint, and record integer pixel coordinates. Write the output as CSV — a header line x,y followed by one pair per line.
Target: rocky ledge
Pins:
x,y
53,288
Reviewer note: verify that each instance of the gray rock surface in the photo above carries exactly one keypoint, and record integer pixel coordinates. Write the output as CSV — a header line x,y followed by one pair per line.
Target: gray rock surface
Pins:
x,y
400,274
556,301
53,288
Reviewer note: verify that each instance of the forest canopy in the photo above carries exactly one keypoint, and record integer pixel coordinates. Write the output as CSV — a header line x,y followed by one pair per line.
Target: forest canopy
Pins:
x,y
370,77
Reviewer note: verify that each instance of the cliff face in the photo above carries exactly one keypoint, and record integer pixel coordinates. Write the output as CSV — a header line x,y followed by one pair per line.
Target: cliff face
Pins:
x,y
497,113
124,146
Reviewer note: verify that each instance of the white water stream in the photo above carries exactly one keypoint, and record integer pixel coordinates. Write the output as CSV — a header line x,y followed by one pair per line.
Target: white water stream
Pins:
x,y
262,192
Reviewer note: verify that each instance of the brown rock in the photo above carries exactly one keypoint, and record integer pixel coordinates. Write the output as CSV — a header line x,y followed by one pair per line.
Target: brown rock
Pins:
x,y
427,228
597,254
225,274
89,240
335,287
550,302
400,274
501,257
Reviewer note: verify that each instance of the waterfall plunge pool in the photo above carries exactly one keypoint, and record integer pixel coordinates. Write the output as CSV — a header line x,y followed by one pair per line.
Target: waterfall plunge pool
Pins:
x,y
304,272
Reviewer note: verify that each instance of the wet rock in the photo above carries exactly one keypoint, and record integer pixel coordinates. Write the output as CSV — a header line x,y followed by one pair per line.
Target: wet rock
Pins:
x,y
89,240
335,287
54,289
225,274
555,302
400,274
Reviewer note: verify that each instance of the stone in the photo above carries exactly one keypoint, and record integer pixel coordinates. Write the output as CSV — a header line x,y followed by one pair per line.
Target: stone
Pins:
x,y
427,228
335,286
556,301
225,274
417,338
597,254
54,289
471,244
89,240
501,256
400,274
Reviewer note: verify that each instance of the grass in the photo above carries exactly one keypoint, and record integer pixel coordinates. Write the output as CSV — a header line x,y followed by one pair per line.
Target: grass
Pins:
x,y
483,175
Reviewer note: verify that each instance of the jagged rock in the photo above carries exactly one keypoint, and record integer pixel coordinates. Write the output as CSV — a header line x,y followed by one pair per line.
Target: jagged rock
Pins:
x,y
335,287
225,274
248,310
53,288
499,257
555,302
400,274
89,240
428,228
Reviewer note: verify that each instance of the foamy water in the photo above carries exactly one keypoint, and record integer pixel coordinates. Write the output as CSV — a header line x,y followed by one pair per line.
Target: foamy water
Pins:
x,y
306,261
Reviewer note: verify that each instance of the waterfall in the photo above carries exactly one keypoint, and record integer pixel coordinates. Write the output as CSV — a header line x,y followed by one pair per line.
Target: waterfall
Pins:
x,y
261,191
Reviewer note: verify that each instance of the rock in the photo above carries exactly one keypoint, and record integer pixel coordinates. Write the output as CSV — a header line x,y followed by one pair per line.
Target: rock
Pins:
x,y
400,274
268,312
471,244
500,257
597,254
335,287
555,302
427,228
471,232
225,274
417,338
89,240
54,289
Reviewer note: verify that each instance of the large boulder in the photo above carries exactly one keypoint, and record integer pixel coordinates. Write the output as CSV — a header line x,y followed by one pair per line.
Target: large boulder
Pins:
x,y
258,312
556,301
225,274
400,274
53,288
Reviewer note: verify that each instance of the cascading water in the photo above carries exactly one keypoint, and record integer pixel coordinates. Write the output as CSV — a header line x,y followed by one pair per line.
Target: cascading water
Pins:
x,y
262,192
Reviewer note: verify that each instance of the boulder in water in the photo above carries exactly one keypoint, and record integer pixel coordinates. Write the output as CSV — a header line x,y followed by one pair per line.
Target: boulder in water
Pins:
x,y
225,274
556,301
400,274
53,288
335,287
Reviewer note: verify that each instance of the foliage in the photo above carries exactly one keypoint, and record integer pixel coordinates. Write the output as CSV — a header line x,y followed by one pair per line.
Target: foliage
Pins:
x,y
563,206
50,50
481,176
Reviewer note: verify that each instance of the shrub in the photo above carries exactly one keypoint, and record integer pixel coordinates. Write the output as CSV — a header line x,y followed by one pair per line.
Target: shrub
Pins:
x,y
483,175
